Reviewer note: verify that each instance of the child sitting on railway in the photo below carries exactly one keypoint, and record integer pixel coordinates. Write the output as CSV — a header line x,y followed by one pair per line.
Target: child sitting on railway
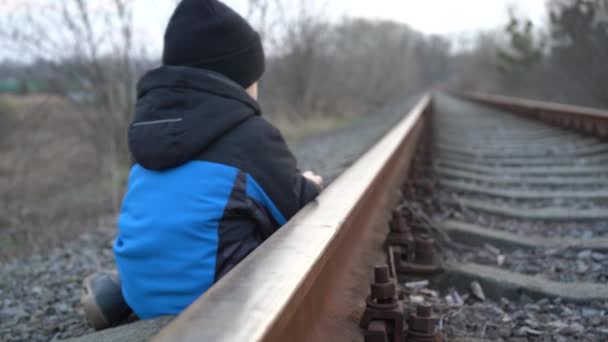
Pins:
x,y
212,179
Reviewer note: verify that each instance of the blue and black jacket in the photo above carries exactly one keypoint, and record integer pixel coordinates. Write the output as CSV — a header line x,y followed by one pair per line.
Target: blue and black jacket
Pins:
x,y
212,181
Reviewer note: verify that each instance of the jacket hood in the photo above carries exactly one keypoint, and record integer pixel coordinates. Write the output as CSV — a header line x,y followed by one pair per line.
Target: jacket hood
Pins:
x,y
181,111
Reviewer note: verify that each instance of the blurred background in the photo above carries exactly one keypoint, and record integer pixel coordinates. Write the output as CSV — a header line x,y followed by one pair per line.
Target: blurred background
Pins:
x,y
68,70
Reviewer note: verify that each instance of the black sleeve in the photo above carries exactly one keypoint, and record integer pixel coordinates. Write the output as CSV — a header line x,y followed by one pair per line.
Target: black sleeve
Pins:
x,y
276,169
259,149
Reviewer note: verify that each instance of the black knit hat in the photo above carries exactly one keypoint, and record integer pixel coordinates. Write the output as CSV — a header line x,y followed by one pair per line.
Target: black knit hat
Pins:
x,y
208,34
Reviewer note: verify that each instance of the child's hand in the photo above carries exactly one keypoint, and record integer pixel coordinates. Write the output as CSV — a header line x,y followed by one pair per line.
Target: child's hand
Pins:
x,y
314,178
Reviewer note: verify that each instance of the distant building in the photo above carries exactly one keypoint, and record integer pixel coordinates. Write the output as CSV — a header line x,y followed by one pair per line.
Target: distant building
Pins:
x,y
14,85
9,85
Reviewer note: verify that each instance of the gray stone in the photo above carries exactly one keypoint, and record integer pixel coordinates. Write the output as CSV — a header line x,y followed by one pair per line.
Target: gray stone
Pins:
x,y
581,267
586,254
504,332
477,291
573,329
558,324
518,339
589,312
532,307
543,302
532,323
566,312
531,332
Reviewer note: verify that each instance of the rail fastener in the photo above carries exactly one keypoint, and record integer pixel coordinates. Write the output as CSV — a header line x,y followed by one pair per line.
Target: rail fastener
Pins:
x,y
401,237
383,319
422,325
411,255
383,306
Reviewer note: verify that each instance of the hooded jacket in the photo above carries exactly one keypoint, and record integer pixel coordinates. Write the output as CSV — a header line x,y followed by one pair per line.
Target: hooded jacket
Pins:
x,y
212,180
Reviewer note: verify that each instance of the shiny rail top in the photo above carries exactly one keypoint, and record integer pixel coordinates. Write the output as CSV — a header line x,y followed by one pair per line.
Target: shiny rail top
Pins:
x,y
263,297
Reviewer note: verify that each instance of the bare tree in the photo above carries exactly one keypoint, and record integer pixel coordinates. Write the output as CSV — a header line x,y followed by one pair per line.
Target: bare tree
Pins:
x,y
89,46
294,34
475,69
320,68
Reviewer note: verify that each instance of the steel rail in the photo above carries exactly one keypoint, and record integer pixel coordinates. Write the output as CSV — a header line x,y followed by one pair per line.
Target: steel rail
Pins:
x,y
285,289
586,120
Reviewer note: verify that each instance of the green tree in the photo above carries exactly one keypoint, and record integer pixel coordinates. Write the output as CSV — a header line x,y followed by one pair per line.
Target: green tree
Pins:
x,y
579,33
524,51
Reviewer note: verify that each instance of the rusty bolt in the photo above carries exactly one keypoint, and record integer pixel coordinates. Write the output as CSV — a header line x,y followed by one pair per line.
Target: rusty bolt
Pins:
x,y
398,223
383,289
377,331
383,316
401,235
383,292
424,250
423,322
382,274
424,310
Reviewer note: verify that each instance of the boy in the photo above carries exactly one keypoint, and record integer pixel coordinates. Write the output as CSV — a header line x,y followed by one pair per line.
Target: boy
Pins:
x,y
212,180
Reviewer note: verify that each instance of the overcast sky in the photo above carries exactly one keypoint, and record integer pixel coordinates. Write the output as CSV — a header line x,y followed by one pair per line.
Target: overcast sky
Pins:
x,y
451,17
456,18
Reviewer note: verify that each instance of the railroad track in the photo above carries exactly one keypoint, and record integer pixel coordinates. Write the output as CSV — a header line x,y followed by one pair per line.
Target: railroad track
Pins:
x,y
474,220
518,212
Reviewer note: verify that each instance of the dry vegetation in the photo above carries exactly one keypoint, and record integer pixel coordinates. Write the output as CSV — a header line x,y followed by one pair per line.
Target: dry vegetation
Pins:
x,y
51,186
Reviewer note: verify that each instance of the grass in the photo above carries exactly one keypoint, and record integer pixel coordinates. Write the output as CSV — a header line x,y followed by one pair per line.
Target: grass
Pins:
x,y
83,194
7,118
51,186
10,245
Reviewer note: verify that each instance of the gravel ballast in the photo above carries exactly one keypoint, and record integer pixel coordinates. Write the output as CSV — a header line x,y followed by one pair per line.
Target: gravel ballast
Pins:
x,y
465,317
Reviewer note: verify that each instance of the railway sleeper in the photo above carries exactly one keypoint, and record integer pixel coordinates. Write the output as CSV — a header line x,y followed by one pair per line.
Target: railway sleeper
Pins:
x,y
501,192
478,236
502,180
557,161
538,171
555,213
